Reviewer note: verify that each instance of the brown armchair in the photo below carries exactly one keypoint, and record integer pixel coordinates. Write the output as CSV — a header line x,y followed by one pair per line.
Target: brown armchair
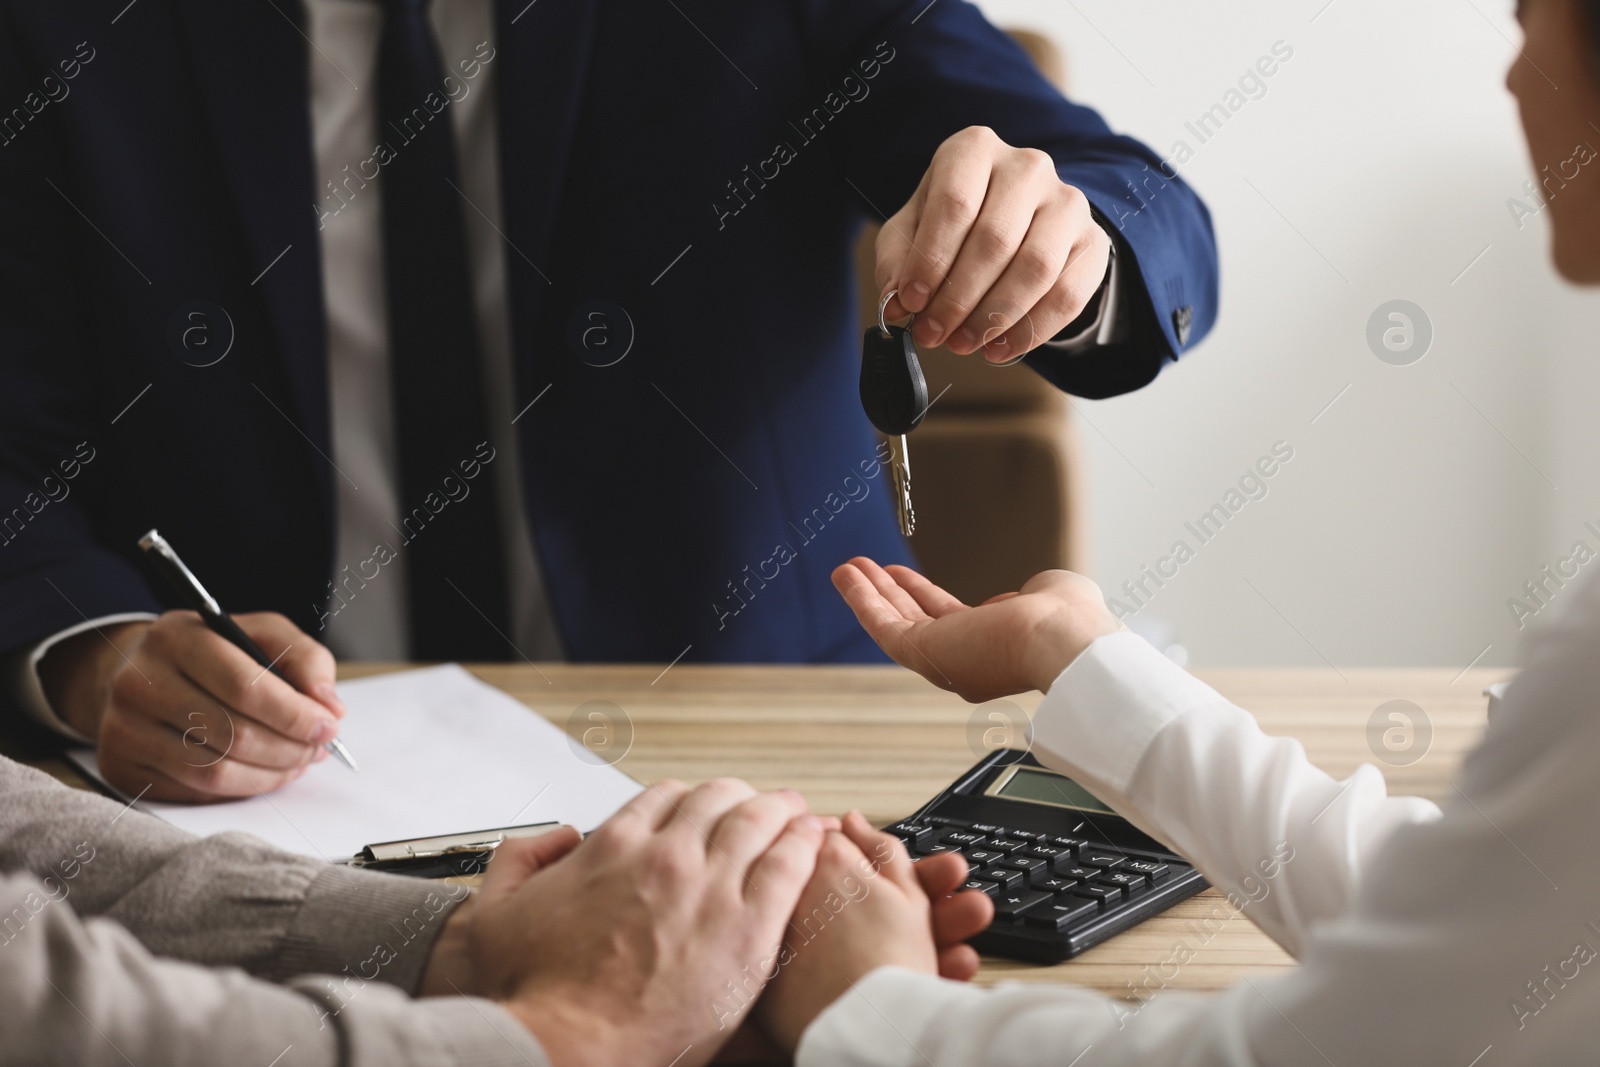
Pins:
x,y
996,474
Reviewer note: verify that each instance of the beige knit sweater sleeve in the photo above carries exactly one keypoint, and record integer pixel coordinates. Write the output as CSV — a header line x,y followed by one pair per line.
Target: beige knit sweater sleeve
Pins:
x,y
123,939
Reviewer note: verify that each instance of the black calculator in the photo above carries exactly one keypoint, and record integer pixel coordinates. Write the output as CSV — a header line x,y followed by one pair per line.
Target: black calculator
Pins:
x,y
1065,871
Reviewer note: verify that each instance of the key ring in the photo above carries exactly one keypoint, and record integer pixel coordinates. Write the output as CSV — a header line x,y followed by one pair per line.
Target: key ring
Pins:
x,y
883,305
883,328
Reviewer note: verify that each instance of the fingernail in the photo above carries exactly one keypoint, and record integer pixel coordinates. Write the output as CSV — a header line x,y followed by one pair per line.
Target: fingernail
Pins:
x,y
811,823
325,733
328,696
915,298
321,755
965,339
935,330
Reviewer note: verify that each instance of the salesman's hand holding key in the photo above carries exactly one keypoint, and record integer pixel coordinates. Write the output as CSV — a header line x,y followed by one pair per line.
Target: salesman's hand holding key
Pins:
x,y
182,713
993,254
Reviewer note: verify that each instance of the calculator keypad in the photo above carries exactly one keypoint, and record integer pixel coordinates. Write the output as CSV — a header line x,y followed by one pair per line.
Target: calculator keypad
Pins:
x,y
1046,883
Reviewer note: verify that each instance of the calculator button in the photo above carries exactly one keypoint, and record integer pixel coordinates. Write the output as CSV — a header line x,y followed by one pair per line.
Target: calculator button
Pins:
x,y
1150,869
982,857
1048,853
1007,879
962,838
1105,894
1129,882
1015,902
1062,913
934,848
943,820
1027,835
1076,873
1025,864
1108,860
982,885
1051,883
1071,844
987,828
1005,844
912,833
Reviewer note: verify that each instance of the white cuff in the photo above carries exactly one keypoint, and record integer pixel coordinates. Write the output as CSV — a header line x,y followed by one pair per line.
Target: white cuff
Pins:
x,y
882,1021
1108,326
19,673
1103,711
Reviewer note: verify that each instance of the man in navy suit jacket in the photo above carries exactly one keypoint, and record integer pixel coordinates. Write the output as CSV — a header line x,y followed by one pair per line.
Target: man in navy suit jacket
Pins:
x,y
681,181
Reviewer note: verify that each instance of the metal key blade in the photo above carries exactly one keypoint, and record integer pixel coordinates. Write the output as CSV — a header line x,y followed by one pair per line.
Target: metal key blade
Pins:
x,y
900,463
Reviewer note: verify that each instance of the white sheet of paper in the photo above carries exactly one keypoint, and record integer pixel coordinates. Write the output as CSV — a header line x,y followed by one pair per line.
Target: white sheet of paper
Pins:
x,y
440,753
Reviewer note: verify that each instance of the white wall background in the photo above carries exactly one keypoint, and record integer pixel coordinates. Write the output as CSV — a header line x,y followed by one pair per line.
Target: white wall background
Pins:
x,y
1428,494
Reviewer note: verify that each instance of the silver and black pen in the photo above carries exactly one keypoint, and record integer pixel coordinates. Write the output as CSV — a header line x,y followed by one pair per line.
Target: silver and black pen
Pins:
x,y
186,585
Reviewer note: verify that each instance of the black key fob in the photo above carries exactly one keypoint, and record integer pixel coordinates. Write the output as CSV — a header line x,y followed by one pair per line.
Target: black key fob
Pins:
x,y
894,392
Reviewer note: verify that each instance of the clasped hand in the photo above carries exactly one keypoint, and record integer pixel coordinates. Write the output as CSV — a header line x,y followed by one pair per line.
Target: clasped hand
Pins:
x,y
651,940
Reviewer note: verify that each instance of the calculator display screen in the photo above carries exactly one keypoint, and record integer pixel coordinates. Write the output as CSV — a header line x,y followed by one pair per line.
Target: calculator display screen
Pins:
x,y
1046,787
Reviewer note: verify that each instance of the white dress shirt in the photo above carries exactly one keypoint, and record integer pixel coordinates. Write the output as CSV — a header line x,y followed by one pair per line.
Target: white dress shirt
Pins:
x,y
1462,937
371,623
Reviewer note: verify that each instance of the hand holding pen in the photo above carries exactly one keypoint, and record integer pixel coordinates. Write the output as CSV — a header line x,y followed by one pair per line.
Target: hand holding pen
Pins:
x,y
181,713
186,585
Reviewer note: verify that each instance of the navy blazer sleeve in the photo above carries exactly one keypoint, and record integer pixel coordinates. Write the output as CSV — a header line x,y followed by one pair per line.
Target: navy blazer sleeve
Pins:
x,y
57,426
948,68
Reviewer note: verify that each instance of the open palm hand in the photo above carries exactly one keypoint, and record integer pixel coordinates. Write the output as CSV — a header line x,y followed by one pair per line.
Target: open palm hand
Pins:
x,y
1008,644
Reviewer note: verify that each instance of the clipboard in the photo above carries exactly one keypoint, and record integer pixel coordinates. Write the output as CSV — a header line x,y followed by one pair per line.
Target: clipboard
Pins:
x,y
444,856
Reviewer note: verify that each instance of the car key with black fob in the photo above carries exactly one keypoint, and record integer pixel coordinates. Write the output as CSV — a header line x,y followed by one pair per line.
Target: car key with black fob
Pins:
x,y
894,394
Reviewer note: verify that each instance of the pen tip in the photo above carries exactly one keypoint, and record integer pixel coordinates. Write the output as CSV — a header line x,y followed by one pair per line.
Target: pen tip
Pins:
x,y
336,746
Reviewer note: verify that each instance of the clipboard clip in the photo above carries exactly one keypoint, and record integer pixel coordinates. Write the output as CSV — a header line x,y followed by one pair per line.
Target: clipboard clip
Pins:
x,y
450,854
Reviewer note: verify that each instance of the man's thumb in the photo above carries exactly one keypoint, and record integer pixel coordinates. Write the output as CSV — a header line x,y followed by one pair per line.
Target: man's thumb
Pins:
x,y
520,858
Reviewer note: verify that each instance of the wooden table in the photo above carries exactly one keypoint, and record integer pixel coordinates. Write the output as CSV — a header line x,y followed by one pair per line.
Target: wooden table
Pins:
x,y
882,740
